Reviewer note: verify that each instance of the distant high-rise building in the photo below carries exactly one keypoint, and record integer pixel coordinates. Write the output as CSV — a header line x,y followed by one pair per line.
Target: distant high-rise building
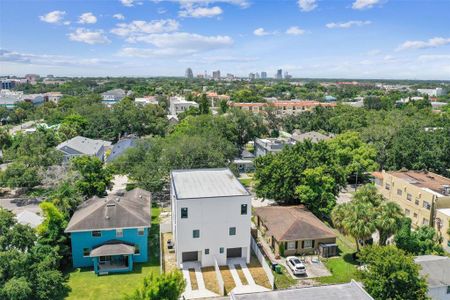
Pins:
x,y
189,74
230,76
286,75
279,74
216,74
257,75
251,76
263,75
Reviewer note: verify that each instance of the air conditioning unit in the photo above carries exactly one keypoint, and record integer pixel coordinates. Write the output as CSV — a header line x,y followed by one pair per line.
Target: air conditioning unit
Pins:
x,y
446,189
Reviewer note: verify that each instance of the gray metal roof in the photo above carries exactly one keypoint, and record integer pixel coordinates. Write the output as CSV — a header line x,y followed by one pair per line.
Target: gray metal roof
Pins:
x,y
112,249
130,210
115,92
436,268
206,183
119,148
83,145
346,291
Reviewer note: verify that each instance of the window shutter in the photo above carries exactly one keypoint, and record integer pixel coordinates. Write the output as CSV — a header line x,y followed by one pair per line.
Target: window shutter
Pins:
x,y
312,243
303,244
285,245
296,245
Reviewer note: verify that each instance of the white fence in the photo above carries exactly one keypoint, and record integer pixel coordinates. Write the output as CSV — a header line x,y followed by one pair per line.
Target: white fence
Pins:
x,y
263,262
219,278
165,227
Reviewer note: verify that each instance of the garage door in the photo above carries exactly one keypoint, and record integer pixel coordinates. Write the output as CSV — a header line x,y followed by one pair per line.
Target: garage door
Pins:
x,y
234,252
189,256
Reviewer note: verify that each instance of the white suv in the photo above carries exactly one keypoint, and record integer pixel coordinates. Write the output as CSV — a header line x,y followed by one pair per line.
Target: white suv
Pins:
x,y
297,267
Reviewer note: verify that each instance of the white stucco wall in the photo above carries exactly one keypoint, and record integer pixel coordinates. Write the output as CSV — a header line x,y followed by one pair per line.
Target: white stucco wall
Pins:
x,y
438,293
213,217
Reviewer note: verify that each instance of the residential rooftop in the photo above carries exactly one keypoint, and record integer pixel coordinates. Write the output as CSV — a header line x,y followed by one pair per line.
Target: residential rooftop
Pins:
x,y
345,291
121,210
424,179
291,223
435,268
314,136
206,183
83,145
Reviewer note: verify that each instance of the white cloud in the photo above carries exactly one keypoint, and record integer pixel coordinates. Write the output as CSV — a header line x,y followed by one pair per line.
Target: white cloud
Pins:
x,y
87,18
176,44
374,52
161,11
119,17
241,3
128,3
154,52
295,30
48,60
262,32
364,4
200,12
53,17
307,5
87,36
184,40
431,43
136,28
434,58
347,25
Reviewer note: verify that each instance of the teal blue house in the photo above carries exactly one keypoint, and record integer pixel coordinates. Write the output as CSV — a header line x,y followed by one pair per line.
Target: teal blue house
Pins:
x,y
111,234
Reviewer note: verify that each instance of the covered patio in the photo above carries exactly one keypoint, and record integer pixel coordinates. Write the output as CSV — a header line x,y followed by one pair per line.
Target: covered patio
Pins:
x,y
113,258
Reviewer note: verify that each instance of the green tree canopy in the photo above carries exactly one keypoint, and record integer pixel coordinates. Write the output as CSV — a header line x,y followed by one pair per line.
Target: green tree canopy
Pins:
x,y
94,177
167,286
391,274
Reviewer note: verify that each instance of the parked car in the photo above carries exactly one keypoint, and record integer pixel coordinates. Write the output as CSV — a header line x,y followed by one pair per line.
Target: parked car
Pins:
x,y
297,267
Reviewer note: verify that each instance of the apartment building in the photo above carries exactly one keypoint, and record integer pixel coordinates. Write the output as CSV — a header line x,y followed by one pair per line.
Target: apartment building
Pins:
x,y
281,108
423,196
180,104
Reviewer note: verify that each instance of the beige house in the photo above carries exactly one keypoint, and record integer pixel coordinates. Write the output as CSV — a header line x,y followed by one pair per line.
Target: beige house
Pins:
x,y
423,196
443,225
294,230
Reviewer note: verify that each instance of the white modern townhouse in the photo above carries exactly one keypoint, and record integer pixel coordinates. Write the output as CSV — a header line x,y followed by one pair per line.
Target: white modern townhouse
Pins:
x,y
211,213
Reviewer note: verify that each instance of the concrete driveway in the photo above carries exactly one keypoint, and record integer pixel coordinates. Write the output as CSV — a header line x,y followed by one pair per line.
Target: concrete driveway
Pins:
x,y
314,268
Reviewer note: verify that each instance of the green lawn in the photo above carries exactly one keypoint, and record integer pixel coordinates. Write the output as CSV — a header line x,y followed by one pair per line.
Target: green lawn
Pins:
x,y
84,284
283,280
342,267
246,181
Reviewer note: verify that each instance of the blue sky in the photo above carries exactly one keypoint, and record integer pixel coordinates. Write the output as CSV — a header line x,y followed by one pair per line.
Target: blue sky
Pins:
x,y
308,38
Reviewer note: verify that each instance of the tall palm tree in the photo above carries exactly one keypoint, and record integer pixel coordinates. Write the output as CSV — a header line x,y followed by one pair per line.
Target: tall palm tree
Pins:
x,y
369,194
359,222
388,220
338,215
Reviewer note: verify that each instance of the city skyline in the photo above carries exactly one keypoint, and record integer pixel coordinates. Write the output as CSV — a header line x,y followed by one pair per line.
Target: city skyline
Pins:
x,y
359,39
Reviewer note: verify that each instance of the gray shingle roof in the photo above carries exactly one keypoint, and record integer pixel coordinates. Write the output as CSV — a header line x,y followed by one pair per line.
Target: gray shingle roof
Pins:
x,y
346,291
83,145
206,183
436,268
314,136
114,248
130,210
